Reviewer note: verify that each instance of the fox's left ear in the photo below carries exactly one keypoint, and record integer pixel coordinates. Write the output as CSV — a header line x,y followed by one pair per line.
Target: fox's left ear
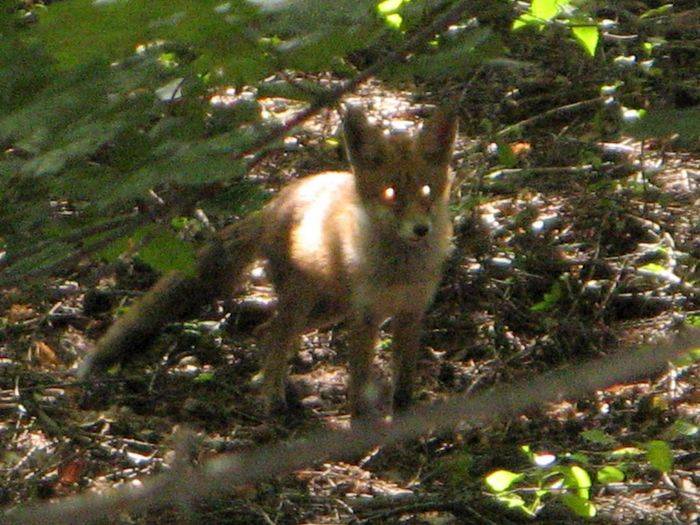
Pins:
x,y
437,135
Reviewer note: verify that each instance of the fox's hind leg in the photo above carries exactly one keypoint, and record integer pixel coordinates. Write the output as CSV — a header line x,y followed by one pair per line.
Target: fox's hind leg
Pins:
x,y
281,340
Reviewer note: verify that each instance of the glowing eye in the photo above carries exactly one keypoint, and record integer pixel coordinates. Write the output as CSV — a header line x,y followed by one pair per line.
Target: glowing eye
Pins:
x,y
425,191
389,194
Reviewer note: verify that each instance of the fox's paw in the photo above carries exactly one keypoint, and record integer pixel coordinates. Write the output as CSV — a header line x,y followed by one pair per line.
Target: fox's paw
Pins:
x,y
403,399
275,406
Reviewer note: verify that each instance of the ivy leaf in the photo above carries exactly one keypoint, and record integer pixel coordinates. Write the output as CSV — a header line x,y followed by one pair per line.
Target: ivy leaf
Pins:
x,y
501,480
526,19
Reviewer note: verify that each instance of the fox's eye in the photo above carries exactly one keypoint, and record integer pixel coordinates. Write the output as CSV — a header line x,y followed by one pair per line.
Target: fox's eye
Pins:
x,y
389,194
425,191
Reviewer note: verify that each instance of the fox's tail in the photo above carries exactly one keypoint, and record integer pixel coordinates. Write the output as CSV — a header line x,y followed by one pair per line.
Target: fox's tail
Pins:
x,y
175,296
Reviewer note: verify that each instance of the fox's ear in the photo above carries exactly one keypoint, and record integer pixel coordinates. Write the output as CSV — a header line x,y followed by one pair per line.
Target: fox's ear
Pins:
x,y
437,135
362,139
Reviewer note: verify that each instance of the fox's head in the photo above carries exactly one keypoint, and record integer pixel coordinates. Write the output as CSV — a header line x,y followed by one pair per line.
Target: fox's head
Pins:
x,y
403,180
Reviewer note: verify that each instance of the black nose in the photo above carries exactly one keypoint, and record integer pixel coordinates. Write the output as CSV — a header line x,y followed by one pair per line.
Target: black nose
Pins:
x,y
421,230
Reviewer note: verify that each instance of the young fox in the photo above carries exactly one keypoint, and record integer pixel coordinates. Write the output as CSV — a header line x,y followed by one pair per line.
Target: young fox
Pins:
x,y
362,246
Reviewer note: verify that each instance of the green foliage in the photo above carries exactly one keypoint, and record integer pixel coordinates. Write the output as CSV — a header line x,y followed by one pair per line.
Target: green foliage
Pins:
x,y
544,12
453,57
587,36
570,483
567,477
106,106
550,299
387,9
501,480
103,103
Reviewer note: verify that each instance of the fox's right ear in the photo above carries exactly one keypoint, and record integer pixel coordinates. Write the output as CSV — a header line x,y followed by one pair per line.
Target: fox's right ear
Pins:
x,y
362,139
436,138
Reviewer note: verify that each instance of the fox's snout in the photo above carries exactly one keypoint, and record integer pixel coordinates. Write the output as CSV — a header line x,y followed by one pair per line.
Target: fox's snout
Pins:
x,y
414,228
421,229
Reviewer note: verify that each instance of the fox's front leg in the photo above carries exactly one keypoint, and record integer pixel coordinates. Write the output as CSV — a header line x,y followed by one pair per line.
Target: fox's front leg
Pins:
x,y
407,328
362,393
281,340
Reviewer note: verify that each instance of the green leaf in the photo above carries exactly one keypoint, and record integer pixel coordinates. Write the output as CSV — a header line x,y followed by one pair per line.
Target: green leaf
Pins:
x,y
657,11
610,474
526,19
165,252
659,455
547,9
598,437
578,457
653,268
204,377
513,501
389,6
580,506
587,37
501,480
577,478
394,20
527,450
550,299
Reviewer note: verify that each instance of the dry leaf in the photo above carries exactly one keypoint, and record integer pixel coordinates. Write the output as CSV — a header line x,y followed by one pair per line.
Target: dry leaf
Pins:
x,y
44,355
69,473
520,148
19,312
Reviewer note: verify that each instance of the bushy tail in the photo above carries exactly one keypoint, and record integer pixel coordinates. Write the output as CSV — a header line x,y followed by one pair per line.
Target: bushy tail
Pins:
x,y
176,296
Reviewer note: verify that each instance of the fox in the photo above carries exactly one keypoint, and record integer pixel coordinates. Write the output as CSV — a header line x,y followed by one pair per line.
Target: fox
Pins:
x,y
359,246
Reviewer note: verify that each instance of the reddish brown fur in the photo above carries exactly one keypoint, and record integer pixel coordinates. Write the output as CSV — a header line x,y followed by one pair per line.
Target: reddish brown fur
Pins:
x,y
340,245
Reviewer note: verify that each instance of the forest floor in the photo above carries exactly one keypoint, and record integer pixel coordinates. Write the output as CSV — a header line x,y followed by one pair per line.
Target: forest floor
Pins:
x,y
551,267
